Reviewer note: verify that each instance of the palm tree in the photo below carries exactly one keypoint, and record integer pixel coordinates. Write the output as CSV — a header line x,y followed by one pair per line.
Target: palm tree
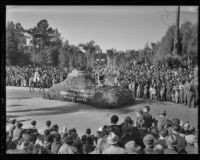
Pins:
x,y
111,56
90,49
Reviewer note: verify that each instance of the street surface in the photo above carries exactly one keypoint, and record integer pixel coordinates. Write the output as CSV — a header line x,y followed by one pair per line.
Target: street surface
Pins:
x,y
26,106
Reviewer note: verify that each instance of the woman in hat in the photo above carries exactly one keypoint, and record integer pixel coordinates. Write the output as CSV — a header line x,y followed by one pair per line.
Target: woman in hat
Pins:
x,y
114,148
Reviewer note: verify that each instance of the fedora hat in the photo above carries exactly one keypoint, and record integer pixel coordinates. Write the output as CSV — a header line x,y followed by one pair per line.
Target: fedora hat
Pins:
x,y
132,146
148,140
112,138
171,140
69,139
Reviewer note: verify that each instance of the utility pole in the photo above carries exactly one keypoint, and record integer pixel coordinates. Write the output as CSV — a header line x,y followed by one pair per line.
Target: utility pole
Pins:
x,y
176,39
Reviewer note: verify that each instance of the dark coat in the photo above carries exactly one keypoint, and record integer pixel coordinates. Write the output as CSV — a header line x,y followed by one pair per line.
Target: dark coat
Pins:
x,y
148,119
181,143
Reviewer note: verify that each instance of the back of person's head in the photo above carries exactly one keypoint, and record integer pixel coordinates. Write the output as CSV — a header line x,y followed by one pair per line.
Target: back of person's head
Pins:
x,y
55,127
176,128
175,121
88,131
33,123
159,149
105,130
57,137
47,132
48,123
114,119
129,120
154,131
164,132
147,108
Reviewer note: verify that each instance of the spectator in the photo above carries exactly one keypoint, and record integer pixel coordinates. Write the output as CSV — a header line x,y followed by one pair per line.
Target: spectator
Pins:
x,y
115,128
17,133
88,147
113,140
46,127
181,143
133,148
67,147
162,135
148,141
159,149
171,145
55,146
161,120
147,117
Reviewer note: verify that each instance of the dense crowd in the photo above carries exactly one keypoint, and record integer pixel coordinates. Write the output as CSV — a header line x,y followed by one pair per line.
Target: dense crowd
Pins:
x,y
21,76
147,135
162,83
145,81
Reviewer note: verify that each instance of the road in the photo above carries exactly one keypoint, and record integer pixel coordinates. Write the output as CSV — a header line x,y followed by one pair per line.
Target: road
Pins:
x,y
26,106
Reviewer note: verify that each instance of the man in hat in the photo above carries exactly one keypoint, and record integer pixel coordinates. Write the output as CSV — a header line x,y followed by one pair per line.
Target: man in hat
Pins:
x,y
148,141
181,143
114,148
158,148
132,148
161,140
171,145
102,144
67,147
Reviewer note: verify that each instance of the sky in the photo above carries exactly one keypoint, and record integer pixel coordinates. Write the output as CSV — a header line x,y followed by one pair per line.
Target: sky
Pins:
x,y
119,27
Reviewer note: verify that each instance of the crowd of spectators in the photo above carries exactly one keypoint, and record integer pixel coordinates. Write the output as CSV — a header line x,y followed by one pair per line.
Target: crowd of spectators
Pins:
x,y
147,135
143,80
20,76
160,83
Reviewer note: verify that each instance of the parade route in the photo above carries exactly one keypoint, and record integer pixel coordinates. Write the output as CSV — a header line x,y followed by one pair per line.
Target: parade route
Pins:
x,y
26,106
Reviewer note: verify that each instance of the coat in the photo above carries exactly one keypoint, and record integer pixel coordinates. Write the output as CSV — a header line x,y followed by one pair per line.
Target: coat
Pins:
x,y
115,150
170,151
148,119
67,149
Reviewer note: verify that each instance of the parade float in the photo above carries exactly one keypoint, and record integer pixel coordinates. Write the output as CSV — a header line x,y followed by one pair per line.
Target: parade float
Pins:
x,y
80,87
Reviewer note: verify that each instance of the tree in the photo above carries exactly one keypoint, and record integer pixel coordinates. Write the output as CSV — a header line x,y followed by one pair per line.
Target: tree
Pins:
x,y
15,42
90,49
42,36
67,53
111,56
166,46
53,51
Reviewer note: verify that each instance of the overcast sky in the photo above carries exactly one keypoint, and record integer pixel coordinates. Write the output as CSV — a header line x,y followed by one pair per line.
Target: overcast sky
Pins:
x,y
119,27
